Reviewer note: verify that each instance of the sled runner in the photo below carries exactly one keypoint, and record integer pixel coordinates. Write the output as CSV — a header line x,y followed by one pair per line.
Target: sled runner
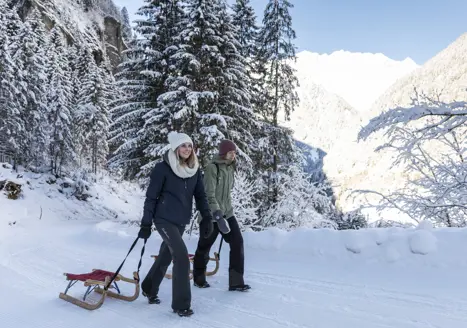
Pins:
x,y
101,282
191,257
97,280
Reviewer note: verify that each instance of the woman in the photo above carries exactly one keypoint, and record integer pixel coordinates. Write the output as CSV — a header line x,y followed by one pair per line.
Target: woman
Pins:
x,y
168,204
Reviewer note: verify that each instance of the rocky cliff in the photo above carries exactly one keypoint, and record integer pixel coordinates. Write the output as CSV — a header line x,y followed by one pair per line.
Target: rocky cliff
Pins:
x,y
97,23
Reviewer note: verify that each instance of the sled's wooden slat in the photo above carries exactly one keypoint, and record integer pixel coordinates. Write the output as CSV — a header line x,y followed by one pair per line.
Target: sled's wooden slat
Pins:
x,y
83,304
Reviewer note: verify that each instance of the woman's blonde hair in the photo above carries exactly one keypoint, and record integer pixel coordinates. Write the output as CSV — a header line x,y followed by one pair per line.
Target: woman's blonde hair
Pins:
x,y
190,161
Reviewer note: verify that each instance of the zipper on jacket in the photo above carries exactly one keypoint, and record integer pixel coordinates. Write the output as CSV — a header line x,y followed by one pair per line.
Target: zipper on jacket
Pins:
x,y
185,183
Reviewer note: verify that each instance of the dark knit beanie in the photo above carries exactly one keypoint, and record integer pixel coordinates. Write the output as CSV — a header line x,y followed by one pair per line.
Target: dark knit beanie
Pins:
x,y
225,146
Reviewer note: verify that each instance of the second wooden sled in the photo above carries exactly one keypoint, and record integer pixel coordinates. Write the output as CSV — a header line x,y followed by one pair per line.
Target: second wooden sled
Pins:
x,y
96,281
191,257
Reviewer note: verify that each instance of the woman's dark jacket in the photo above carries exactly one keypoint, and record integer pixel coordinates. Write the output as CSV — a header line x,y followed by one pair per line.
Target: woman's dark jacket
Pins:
x,y
170,198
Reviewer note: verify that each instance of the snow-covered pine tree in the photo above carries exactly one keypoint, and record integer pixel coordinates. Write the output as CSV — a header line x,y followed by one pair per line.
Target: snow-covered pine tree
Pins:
x,y
31,61
59,93
208,98
12,127
82,62
89,4
13,24
76,75
235,96
127,116
111,94
163,37
140,122
278,84
92,116
126,26
244,19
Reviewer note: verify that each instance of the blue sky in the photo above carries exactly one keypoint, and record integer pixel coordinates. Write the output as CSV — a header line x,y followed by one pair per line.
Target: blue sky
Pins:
x,y
418,29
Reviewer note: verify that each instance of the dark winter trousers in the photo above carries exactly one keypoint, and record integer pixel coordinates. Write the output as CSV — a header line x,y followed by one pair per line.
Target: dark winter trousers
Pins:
x,y
237,258
172,249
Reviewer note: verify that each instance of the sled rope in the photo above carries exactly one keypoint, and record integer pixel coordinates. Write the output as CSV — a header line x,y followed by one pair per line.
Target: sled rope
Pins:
x,y
107,286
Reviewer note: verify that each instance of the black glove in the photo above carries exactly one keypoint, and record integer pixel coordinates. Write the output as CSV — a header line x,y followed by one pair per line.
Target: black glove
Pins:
x,y
206,227
218,215
144,232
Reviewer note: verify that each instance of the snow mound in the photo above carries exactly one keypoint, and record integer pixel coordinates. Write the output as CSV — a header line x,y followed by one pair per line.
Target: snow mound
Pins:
x,y
376,245
422,241
357,242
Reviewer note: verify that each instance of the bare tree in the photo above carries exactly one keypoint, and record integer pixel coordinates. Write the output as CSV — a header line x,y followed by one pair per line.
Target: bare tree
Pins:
x,y
430,139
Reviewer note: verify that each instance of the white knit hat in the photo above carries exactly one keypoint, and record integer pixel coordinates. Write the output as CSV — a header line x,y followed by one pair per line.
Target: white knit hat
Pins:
x,y
176,139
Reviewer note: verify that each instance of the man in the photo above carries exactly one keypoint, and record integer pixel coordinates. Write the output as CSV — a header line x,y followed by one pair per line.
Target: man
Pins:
x,y
218,183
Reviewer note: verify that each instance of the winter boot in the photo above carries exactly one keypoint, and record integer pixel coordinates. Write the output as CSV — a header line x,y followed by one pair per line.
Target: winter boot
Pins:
x,y
152,299
184,313
239,288
202,284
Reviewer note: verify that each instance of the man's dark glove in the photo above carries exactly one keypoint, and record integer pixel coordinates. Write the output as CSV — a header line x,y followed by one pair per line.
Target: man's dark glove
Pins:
x,y
206,227
144,232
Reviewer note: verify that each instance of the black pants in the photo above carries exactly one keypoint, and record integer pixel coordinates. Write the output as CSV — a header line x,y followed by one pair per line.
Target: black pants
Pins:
x,y
237,258
173,248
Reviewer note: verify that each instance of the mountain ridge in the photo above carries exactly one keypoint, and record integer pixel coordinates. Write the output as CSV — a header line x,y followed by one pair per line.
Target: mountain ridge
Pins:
x,y
359,78
329,119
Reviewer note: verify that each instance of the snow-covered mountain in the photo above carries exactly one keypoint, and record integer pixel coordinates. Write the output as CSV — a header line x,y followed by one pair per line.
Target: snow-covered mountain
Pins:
x,y
359,78
326,119
444,75
336,92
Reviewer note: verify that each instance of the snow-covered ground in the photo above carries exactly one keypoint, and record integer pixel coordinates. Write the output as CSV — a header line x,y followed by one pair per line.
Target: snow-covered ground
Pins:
x,y
394,278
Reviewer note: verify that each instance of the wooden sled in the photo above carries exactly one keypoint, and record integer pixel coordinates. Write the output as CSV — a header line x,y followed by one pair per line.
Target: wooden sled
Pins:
x,y
96,281
191,257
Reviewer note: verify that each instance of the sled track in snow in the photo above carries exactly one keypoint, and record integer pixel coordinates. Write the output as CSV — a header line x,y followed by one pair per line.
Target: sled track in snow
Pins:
x,y
320,286
351,296
289,304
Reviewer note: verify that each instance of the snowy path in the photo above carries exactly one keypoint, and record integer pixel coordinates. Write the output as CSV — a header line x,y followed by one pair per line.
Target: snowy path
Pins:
x,y
288,291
